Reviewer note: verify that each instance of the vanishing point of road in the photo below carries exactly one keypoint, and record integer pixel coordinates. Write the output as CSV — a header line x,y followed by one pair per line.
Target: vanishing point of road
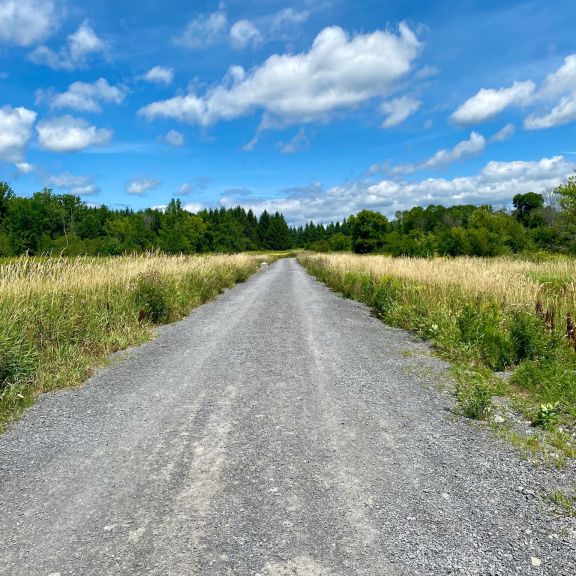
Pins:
x,y
278,430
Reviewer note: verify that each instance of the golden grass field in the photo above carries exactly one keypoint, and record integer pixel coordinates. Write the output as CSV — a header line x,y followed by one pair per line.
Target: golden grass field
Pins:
x,y
60,317
510,280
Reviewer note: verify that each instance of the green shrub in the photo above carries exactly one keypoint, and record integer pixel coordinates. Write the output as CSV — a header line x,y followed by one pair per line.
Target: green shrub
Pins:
x,y
547,415
530,338
552,379
482,328
151,297
473,393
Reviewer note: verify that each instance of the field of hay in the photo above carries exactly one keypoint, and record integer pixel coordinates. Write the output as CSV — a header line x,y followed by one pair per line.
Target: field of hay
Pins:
x,y
512,281
60,317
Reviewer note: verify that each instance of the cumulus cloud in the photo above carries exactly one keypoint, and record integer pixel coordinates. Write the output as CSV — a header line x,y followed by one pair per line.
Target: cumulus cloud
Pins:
x,y
488,103
174,138
27,22
464,149
25,167
560,82
159,75
75,54
193,207
184,189
554,100
86,190
204,30
398,109
496,183
339,72
288,17
77,185
296,144
559,87
562,113
70,134
86,97
244,33
15,132
196,185
504,134
140,186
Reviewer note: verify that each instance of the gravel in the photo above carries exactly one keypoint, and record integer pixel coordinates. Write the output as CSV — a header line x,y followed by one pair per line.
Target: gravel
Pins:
x,y
278,430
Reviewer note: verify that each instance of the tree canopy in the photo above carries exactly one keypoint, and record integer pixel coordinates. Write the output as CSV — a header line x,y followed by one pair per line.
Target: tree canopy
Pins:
x,y
62,223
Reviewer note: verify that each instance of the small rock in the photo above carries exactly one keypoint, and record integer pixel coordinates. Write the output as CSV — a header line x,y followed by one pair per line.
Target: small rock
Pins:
x,y
536,561
499,419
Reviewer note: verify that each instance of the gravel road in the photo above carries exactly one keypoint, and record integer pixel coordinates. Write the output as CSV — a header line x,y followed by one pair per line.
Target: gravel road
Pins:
x,y
278,430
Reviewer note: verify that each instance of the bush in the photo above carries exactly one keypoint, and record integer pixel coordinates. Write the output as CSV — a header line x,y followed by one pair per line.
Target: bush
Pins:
x,y
18,360
474,393
547,415
530,338
151,297
552,379
482,328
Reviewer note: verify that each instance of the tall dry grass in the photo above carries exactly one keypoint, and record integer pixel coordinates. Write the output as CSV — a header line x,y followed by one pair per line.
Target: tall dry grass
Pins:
x,y
60,317
509,280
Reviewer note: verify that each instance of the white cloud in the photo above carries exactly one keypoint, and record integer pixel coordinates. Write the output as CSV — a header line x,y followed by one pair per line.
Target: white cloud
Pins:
x,y
204,30
426,72
174,138
560,82
15,132
488,103
25,167
398,109
504,134
497,183
193,207
80,45
464,149
288,17
69,134
338,72
86,97
562,113
77,185
296,144
557,93
159,75
560,88
184,190
243,34
141,186
66,180
196,185
26,22
86,190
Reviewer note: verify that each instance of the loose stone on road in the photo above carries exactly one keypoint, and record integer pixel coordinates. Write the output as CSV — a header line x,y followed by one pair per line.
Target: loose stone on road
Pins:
x,y
279,430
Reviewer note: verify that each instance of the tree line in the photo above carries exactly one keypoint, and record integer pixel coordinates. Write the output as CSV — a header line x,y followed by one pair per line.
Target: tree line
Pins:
x,y
62,223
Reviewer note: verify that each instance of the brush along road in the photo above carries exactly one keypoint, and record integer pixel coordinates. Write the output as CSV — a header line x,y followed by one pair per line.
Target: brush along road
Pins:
x,y
279,430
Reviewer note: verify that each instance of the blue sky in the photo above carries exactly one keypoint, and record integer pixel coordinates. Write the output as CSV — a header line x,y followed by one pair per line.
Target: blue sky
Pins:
x,y
314,108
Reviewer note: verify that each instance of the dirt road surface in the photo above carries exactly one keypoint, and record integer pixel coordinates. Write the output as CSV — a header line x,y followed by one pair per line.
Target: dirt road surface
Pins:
x,y
278,430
